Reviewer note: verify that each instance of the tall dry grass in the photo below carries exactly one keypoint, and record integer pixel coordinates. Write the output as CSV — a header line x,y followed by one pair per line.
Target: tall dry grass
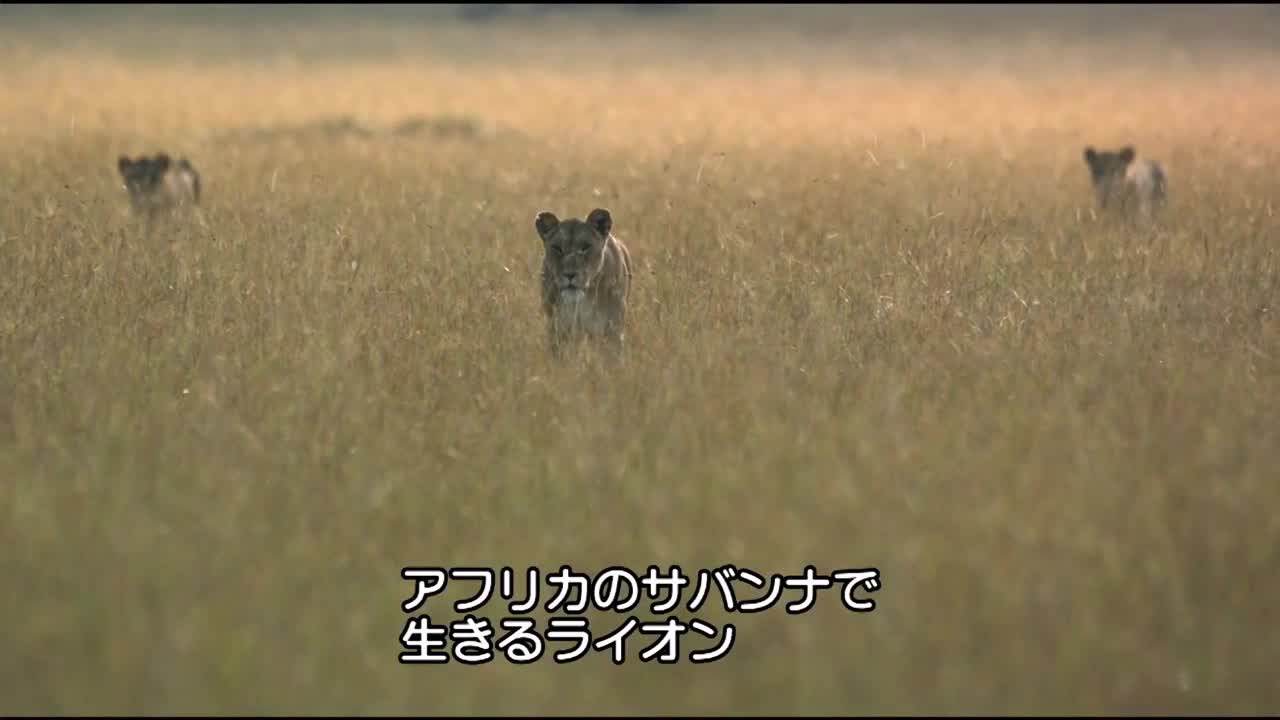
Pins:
x,y
875,322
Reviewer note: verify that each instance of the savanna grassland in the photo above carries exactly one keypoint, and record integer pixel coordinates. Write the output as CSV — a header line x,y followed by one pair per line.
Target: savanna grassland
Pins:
x,y
875,322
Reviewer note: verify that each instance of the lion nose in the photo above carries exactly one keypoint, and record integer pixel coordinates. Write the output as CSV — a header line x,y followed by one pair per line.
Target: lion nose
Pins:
x,y
570,276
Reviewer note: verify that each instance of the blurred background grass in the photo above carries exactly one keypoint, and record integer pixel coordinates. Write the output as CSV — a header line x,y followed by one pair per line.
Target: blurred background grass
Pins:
x,y
875,322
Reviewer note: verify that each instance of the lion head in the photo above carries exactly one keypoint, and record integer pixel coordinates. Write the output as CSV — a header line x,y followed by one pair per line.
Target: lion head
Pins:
x,y
143,178
1107,170
574,250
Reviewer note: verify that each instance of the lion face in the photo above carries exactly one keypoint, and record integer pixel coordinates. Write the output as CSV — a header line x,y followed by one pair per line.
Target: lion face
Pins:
x,y
1107,170
574,251
143,178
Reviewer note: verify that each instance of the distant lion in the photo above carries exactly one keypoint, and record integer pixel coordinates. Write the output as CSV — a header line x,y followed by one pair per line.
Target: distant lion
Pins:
x,y
1121,181
156,183
586,278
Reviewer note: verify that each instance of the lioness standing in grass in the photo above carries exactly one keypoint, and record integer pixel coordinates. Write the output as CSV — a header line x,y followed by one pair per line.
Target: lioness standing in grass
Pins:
x,y
155,184
586,278
1122,181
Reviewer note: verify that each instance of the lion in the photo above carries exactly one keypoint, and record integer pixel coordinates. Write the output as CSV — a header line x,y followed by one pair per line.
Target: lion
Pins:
x,y
586,278
1121,181
158,184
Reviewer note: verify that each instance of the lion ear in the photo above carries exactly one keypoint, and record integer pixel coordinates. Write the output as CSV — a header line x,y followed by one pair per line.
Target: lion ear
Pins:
x,y
123,163
1127,153
546,223
1090,154
601,221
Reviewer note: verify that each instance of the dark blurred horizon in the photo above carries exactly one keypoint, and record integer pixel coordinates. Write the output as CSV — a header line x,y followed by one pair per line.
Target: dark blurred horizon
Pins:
x,y
1261,20
921,35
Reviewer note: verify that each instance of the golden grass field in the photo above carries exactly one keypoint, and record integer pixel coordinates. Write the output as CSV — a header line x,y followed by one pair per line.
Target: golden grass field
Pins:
x,y
875,322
